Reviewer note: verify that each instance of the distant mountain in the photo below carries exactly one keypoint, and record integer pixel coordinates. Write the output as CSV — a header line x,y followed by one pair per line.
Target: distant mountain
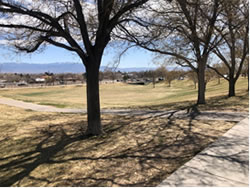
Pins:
x,y
134,69
56,68
41,68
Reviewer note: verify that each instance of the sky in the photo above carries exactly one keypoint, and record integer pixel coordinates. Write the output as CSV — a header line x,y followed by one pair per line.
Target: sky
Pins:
x,y
133,58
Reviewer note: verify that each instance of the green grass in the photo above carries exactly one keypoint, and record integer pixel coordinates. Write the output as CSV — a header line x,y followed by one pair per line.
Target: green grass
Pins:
x,y
122,95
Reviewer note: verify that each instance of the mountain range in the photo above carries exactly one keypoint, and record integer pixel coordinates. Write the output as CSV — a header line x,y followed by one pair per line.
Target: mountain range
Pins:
x,y
57,68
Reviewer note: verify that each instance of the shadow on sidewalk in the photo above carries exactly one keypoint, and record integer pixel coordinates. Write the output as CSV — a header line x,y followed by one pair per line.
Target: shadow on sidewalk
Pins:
x,y
223,163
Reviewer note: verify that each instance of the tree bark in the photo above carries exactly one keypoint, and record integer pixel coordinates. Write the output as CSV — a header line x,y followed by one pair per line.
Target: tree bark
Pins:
x,y
232,81
231,91
201,83
93,100
248,78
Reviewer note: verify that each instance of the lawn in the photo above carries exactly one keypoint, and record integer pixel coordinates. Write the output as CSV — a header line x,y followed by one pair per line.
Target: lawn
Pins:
x,y
121,95
49,149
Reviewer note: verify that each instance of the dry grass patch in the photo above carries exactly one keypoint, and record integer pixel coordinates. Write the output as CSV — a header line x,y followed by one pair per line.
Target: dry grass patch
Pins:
x,y
48,149
120,95
239,103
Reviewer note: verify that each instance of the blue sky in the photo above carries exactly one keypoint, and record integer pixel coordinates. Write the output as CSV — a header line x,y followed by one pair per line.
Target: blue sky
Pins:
x,y
133,58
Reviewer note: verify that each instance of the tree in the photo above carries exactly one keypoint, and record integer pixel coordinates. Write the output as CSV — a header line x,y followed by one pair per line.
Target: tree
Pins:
x,y
221,67
245,70
125,77
80,26
209,75
172,75
152,75
161,72
13,78
183,30
233,29
109,74
193,76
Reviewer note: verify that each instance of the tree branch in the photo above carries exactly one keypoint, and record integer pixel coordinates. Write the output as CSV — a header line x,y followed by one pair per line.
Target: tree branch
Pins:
x,y
115,20
214,69
61,45
24,27
32,49
83,27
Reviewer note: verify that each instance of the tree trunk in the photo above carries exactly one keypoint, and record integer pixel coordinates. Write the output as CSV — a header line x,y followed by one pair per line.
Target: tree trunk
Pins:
x,y
248,79
153,81
201,84
231,91
93,100
218,80
232,81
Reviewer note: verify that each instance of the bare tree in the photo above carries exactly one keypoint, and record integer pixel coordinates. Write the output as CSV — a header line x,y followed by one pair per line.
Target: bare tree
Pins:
x,y
245,70
172,75
183,30
161,72
193,77
221,68
80,26
233,28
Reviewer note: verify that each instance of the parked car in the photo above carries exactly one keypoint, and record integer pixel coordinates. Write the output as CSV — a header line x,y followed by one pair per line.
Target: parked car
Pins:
x,y
2,85
22,83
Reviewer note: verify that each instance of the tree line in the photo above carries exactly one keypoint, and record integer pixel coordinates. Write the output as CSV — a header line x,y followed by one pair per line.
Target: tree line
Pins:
x,y
184,32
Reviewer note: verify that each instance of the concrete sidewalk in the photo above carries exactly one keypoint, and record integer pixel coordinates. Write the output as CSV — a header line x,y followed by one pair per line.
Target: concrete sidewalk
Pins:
x,y
37,107
181,114
225,163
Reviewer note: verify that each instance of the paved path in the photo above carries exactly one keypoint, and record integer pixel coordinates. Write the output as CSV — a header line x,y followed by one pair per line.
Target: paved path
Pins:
x,y
35,107
225,163
182,114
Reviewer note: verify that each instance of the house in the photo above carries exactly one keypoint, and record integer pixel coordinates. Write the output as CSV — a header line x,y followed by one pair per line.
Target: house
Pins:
x,y
40,80
2,83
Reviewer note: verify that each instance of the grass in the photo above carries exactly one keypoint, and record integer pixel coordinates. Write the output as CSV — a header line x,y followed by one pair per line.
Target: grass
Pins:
x,y
53,104
48,149
122,95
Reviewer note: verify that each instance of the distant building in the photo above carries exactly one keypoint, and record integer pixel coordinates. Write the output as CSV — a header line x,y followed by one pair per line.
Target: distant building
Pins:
x,y
22,83
2,83
40,80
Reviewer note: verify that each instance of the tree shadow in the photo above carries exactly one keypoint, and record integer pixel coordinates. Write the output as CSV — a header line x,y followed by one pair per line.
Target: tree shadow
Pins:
x,y
237,103
43,152
135,151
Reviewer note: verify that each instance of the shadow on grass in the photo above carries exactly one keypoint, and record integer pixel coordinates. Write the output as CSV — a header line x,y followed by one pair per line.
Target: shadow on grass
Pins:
x,y
135,151
28,161
237,103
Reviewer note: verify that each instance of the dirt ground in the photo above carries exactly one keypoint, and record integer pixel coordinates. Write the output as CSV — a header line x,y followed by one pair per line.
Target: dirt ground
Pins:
x,y
50,149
